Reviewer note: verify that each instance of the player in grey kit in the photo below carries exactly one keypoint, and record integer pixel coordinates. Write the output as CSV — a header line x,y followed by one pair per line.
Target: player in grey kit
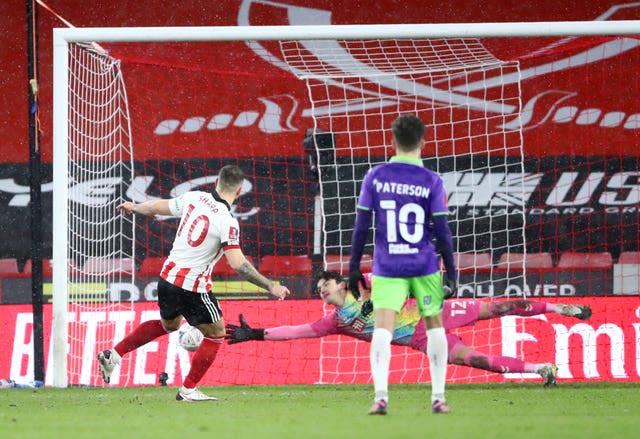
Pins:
x,y
409,202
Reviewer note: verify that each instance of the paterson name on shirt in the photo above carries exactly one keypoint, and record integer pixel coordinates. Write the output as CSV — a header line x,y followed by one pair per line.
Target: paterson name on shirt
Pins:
x,y
390,187
403,195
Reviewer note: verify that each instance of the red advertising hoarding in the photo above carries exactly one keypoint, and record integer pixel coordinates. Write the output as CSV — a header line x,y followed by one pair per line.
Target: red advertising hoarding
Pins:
x,y
606,347
580,125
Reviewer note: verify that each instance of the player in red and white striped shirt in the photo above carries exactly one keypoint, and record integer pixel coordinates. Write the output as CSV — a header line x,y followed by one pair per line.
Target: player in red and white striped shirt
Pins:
x,y
207,230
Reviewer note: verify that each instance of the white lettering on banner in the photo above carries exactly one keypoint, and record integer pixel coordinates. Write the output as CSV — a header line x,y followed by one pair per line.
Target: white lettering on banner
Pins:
x,y
22,196
620,181
511,336
94,193
477,193
123,292
516,290
532,115
476,290
151,291
547,290
139,372
122,321
565,184
484,189
636,326
589,349
567,181
138,193
176,355
22,347
274,119
526,119
88,354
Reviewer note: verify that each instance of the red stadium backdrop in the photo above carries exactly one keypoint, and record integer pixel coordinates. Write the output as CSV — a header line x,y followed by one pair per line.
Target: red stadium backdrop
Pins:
x,y
573,86
581,119
607,347
586,199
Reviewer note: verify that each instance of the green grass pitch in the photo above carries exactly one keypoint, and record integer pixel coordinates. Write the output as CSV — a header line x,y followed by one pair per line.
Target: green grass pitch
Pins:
x,y
571,410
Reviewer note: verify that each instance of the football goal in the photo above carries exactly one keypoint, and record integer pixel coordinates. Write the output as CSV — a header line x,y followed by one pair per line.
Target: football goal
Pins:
x,y
298,201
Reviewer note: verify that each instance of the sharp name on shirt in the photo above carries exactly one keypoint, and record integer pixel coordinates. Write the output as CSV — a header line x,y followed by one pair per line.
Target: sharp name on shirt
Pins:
x,y
210,204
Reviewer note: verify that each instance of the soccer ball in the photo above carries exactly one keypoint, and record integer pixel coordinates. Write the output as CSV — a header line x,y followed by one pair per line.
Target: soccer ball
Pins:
x,y
189,337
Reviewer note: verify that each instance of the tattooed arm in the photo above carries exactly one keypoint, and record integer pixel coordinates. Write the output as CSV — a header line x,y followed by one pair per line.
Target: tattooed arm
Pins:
x,y
248,271
239,263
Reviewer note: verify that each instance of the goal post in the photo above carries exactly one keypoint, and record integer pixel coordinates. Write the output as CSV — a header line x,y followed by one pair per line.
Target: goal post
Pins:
x,y
62,36
92,164
62,129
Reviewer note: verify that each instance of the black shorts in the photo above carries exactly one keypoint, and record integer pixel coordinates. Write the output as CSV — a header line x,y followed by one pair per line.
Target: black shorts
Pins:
x,y
196,308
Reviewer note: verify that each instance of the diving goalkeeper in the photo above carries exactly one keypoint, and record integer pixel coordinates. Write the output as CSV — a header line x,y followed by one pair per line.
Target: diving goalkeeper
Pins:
x,y
354,319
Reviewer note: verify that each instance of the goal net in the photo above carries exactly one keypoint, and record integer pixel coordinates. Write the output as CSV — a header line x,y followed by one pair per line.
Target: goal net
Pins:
x,y
306,117
357,89
100,248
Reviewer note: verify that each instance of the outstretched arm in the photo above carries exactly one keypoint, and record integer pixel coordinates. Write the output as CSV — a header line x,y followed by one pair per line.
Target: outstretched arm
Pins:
x,y
238,262
290,332
238,334
148,208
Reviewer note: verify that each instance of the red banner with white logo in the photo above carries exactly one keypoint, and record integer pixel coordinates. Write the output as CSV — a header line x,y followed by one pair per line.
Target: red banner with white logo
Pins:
x,y
579,95
606,347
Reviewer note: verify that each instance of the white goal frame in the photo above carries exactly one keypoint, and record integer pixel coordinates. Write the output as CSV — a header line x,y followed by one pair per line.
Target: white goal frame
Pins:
x,y
63,36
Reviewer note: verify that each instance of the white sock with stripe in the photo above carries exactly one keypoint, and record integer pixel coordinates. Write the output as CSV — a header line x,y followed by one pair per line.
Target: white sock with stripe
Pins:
x,y
380,357
437,350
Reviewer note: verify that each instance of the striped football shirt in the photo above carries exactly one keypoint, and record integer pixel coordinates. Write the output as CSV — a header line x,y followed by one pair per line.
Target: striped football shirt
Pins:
x,y
206,229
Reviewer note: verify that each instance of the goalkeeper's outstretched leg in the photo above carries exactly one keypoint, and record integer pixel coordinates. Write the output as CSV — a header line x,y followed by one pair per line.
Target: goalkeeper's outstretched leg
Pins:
x,y
525,308
463,355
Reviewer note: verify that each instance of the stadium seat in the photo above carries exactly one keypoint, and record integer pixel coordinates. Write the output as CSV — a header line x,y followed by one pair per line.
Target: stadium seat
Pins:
x,y
26,270
586,261
223,268
99,266
47,268
9,268
285,265
340,263
629,258
151,266
626,274
532,261
473,261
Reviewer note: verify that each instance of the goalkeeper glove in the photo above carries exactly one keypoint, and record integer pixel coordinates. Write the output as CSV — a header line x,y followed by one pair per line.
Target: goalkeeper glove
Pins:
x,y
367,308
355,280
450,287
244,332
